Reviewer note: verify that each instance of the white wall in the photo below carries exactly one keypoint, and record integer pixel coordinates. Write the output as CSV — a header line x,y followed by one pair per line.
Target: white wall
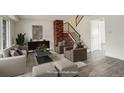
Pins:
x,y
25,26
13,17
102,30
115,36
114,32
84,28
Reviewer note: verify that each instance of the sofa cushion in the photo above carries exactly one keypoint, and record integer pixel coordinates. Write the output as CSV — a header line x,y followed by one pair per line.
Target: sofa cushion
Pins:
x,y
80,65
44,70
6,53
24,52
66,68
19,52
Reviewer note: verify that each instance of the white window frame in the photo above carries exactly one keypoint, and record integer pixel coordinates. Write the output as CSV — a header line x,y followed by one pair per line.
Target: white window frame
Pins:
x,y
8,33
1,32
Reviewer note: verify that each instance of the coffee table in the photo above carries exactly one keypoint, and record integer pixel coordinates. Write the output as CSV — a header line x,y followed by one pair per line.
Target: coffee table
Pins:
x,y
43,57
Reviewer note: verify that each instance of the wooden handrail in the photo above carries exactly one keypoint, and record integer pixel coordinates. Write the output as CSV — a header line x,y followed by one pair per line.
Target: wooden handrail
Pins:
x,y
79,20
72,28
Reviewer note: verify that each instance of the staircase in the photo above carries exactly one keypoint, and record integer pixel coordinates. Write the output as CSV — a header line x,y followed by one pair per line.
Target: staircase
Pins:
x,y
71,36
71,33
68,40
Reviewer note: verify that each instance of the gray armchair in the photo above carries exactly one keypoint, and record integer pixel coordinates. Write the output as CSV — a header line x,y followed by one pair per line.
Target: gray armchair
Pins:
x,y
59,49
75,55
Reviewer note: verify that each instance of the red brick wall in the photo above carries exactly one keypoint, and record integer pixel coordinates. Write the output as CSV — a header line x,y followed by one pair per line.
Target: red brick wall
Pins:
x,y
68,40
59,34
58,31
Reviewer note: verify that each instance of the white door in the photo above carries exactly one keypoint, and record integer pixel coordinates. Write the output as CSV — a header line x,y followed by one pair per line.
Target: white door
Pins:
x,y
97,34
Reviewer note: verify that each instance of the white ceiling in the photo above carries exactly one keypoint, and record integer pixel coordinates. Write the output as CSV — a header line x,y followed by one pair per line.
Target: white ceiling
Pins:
x,y
45,17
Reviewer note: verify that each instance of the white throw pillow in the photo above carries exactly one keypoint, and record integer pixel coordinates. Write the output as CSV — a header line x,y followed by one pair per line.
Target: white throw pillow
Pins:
x,y
74,46
60,43
6,53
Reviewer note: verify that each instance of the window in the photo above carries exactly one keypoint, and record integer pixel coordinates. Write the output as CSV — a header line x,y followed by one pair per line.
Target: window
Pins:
x,y
4,33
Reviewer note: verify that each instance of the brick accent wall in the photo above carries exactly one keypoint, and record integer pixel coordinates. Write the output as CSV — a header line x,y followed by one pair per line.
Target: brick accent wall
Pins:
x,y
59,34
68,39
58,31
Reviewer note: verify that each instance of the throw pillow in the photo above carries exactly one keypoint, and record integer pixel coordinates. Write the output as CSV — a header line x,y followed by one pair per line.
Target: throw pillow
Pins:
x,y
74,46
14,48
79,45
60,43
1,56
14,53
63,42
19,52
6,53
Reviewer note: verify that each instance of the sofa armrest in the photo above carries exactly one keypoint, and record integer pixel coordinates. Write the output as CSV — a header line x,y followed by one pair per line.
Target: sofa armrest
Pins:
x,y
44,70
68,48
79,54
22,57
24,52
13,66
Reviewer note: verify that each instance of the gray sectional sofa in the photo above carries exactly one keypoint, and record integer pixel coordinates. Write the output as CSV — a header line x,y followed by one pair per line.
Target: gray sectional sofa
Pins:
x,y
58,69
16,66
12,66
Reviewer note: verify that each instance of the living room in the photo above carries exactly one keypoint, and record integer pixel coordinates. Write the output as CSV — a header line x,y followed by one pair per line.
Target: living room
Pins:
x,y
20,37
66,43
65,46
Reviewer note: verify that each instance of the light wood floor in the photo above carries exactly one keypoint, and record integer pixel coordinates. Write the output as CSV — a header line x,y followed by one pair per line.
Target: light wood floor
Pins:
x,y
98,65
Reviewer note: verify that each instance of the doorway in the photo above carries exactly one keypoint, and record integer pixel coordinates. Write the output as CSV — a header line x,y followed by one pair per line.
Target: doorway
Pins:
x,y
98,34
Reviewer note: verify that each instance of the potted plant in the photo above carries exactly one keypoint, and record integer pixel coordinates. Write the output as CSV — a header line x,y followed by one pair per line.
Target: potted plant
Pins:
x,y
79,45
42,47
20,39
